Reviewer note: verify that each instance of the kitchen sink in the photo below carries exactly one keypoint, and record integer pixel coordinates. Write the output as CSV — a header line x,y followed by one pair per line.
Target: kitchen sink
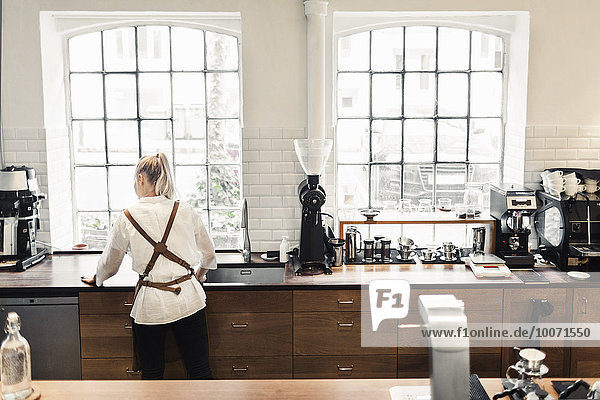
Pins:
x,y
247,274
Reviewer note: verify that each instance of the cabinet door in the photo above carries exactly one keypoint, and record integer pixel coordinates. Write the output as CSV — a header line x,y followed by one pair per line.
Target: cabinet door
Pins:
x,y
249,301
585,361
523,305
106,336
250,334
94,303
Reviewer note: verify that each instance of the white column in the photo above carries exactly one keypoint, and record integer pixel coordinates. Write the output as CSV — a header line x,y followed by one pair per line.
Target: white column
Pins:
x,y
315,11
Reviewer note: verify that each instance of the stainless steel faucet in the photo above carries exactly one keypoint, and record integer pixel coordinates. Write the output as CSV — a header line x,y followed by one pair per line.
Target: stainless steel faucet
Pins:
x,y
246,250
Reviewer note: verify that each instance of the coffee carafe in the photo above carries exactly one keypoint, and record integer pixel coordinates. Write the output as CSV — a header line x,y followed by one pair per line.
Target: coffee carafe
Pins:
x,y
530,369
353,243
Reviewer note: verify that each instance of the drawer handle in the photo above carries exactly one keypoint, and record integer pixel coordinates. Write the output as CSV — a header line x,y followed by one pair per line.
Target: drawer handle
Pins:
x,y
345,324
585,305
129,371
345,369
127,326
127,304
246,272
340,301
234,325
239,369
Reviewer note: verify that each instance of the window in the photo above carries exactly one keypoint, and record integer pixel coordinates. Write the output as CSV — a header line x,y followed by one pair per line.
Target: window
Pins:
x,y
138,90
420,113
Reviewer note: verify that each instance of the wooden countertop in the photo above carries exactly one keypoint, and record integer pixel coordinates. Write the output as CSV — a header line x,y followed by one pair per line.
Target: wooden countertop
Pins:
x,y
296,389
61,273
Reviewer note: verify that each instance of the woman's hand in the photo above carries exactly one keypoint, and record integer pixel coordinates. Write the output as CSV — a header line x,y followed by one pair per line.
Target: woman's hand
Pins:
x,y
90,281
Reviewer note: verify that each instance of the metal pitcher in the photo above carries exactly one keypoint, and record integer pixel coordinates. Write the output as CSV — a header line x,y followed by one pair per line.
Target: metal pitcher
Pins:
x,y
353,243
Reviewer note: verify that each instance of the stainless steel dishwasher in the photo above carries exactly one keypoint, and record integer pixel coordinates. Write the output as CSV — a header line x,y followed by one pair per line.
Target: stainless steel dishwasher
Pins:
x,y
51,325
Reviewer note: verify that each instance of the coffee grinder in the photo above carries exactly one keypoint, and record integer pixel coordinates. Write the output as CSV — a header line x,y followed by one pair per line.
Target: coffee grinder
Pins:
x,y
313,155
512,206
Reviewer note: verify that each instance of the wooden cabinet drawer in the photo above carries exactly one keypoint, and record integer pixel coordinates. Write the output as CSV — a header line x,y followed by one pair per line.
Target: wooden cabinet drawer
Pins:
x,y
417,365
120,369
333,333
326,300
585,361
586,305
518,304
249,301
250,334
251,367
105,302
104,336
474,299
333,367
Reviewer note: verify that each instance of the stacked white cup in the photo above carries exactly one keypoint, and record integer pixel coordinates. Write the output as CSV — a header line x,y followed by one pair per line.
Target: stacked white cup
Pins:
x,y
553,182
571,184
591,185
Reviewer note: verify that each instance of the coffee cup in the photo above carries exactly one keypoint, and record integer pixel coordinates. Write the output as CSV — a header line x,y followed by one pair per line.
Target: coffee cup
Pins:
x,y
591,188
570,190
581,188
555,174
571,178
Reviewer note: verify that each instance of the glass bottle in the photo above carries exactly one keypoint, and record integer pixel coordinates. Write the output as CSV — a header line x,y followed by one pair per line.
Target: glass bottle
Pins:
x,y
15,361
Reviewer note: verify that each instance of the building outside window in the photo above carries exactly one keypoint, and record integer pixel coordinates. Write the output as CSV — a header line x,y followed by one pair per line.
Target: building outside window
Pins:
x,y
137,90
419,114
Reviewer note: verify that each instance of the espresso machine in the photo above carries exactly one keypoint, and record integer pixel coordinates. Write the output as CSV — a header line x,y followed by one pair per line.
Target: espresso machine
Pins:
x,y
19,219
512,207
568,230
313,255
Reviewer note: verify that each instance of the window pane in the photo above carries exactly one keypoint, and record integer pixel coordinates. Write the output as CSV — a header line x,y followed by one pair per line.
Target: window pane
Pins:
x,y
419,95
484,173
189,106
90,188
422,234
225,228
88,142
486,94
191,149
387,95
418,140
353,141
156,136
450,182
486,52
353,186
221,52
387,140
153,48
155,95
353,95
191,184
120,186
420,48
353,52
453,49
452,140
119,49
223,92
84,53
121,98
485,139
224,185
93,229
453,93
224,141
122,138
386,184
86,96
456,233
418,182
386,49
188,49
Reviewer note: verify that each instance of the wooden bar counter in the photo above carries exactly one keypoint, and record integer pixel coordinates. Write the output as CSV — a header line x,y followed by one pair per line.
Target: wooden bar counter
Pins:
x,y
300,389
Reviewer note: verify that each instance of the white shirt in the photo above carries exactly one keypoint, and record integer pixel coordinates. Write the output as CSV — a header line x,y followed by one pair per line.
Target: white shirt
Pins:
x,y
188,240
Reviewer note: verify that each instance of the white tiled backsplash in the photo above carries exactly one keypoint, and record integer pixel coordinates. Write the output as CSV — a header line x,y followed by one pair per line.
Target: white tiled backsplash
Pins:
x,y
271,171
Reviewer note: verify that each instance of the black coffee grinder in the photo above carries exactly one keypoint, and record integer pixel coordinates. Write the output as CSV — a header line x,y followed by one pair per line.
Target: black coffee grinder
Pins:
x,y
512,206
313,155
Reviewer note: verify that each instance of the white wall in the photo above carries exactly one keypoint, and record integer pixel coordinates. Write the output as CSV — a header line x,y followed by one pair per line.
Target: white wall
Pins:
x,y
562,93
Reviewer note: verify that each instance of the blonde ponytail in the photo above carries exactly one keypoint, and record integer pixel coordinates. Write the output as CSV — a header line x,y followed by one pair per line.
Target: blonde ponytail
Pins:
x,y
156,168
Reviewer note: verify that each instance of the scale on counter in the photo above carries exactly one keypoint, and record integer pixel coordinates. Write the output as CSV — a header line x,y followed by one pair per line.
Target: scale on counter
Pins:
x,y
488,266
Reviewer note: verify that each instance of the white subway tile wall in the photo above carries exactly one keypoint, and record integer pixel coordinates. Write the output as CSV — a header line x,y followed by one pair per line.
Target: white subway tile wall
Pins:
x,y
271,173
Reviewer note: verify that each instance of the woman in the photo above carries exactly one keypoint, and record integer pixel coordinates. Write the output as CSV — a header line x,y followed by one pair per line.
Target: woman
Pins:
x,y
168,295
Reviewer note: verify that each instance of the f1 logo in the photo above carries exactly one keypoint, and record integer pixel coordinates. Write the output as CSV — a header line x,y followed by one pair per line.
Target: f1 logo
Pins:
x,y
389,299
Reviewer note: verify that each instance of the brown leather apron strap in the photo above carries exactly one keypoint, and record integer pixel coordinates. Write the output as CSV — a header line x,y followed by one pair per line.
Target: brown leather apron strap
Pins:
x,y
167,286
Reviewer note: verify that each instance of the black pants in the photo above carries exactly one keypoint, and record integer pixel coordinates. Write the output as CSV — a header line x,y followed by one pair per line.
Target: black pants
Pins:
x,y
192,340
